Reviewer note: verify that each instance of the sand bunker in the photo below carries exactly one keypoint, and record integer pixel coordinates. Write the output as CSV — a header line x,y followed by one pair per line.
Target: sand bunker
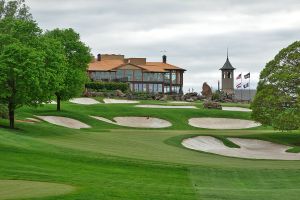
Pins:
x,y
33,119
236,109
249,148
222,123
84,101
137,122
64,121
19,189
120,101
160,106
29,120
180,102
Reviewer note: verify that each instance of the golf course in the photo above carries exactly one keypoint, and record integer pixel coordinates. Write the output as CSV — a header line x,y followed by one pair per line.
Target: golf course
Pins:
x,y
41,160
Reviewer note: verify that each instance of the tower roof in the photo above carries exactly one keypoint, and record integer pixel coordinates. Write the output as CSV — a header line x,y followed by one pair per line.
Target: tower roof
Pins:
x,y
227,64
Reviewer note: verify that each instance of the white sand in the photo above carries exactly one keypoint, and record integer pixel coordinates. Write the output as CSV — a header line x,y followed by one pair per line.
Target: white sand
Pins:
x,y
180,102
33,119
253,149
84,101
161,106
64,121
118,101
222,123
137,122
236,109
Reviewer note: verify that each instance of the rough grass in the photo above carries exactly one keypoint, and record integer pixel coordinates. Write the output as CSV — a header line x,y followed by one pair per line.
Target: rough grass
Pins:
x,y
112,162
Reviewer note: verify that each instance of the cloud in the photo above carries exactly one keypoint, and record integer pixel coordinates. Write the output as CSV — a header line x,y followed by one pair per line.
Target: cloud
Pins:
x,y
195,33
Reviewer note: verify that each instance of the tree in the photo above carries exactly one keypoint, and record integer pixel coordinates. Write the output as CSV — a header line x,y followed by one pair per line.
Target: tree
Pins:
x,y
77,58
277,102
31,66
19,77
14,9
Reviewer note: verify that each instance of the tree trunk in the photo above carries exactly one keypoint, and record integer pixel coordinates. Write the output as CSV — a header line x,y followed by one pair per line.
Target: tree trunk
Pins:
x,y
11,113
58,102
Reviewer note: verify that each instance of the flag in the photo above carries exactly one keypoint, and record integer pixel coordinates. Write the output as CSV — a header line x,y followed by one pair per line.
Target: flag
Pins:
x,y
239,77
246,85
239,85
247,75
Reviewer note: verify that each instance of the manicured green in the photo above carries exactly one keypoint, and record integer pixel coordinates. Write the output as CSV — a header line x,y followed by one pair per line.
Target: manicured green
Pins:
x,y
112,162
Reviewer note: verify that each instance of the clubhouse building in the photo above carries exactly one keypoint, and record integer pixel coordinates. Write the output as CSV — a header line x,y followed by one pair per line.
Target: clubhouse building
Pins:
x,y
143,76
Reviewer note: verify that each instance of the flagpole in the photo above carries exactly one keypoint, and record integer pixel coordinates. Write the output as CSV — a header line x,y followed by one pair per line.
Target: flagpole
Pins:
x,y
241,87
249,88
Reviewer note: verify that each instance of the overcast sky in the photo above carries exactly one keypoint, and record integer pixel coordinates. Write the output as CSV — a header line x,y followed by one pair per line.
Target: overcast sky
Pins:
x,y
195,33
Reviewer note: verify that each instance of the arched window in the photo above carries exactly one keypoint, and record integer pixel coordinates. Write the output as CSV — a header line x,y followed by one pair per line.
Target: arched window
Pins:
x,y
228,75
224,75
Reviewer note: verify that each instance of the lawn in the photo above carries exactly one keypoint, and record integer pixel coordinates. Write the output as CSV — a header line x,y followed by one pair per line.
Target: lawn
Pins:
x,y
113,162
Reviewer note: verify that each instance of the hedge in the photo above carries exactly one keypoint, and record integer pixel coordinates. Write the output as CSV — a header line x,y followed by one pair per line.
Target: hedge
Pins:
x,y
107,86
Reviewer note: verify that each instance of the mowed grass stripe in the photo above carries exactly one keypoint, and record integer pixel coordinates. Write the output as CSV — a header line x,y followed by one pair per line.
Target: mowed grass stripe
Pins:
x,y
21,189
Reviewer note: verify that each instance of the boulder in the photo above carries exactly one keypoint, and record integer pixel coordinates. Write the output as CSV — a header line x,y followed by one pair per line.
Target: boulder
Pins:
x,y
212,105
206,91
164,98
190,100
119,93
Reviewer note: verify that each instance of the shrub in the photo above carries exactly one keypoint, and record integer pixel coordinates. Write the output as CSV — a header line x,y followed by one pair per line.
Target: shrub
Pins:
x,y
216,96
107,86
277,101
287,120
142,96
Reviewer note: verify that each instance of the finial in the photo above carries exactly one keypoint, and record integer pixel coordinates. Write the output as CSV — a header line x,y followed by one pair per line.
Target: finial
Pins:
x,y
227,52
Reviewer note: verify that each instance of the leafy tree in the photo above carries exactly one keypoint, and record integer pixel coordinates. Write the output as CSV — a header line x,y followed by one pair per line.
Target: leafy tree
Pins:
x,y
277,101
14,9
20,76
31,65
77,58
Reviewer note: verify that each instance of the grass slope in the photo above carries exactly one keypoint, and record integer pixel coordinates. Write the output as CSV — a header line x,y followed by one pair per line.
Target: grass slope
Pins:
x,y
112,162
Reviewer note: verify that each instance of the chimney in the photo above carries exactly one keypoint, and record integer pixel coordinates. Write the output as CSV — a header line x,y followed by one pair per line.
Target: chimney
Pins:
x,y
164,59
99,57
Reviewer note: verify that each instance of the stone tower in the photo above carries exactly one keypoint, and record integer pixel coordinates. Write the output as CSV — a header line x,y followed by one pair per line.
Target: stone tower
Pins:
x,y
228,77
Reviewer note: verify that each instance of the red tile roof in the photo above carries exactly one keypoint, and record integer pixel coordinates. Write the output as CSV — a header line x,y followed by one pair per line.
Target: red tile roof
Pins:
x,y
112,65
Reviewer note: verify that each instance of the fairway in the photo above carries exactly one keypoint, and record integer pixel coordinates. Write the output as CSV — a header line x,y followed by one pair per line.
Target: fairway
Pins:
x,y
17,189
108,161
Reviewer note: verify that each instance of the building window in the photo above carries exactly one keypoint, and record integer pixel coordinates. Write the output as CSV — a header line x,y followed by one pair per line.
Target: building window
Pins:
x,y
160,77
129,75
167,89
151,88
146,77
138,75
120,74
174,78
159,88
228,75
112,75
167,77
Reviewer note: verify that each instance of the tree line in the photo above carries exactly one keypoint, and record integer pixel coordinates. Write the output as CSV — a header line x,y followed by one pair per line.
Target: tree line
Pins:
x,y
37,65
